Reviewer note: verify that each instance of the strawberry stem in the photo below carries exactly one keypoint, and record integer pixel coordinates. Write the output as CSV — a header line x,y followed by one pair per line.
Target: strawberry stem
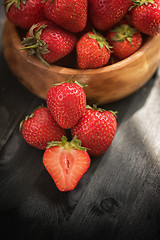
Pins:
x,y
47,0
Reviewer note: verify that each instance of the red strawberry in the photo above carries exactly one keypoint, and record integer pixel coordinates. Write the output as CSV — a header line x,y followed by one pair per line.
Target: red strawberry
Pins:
x,y
69,14
145,16
105,14
40,128
92,51
96,130
24,13
49,42
125,40
67,102
66,162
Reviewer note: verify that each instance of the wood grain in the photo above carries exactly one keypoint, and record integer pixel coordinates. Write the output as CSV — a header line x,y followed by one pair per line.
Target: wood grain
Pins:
x,y
117,199
12,112
122,197
119,195
105,84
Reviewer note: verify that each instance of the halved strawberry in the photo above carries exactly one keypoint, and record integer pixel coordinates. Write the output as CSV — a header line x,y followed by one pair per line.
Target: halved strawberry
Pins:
x,y
66,162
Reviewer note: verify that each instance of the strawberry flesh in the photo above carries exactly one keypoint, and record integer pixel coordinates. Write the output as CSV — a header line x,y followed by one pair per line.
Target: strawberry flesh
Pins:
x,y
66,166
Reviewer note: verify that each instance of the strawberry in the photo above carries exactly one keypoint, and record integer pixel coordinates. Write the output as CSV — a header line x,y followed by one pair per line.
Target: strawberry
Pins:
x,y
24,13
92,51
49,42
125,40
105,14
145,16
69,14
40,128
96,130
67,102
66,162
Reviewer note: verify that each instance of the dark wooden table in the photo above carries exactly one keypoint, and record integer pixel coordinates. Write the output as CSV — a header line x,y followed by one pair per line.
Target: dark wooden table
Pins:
x,y
118,197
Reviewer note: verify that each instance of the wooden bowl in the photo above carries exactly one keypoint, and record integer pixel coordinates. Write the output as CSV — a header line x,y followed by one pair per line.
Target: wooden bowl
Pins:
x,y
105,84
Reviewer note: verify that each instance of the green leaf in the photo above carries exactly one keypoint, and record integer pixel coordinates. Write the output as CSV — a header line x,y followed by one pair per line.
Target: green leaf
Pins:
x,y
101,40
28,41
34,44
47,0
123,32
9,3
21,125
64,139
92,36
38,55
139,3
88,107
130,40
73,144
31,52
118,38
113,112
81,84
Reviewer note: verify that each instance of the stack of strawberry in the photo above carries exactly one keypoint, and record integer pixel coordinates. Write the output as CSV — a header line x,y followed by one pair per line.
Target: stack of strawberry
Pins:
x,y
57,27
47,128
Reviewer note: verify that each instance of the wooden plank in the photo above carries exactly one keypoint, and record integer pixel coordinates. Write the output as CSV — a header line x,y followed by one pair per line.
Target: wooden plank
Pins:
x,y
124,180
15,100
28,196
118,198
2,17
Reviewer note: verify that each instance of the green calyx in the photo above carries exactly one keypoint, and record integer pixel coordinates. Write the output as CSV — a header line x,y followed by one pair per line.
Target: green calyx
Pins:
x,y
9,3
28,117
34,43
124,32
139,3
113,112
95,107
70,80
100,39
47,0
73,144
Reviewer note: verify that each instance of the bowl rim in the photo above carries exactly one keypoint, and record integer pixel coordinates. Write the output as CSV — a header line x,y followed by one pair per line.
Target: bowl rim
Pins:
x,y
70,71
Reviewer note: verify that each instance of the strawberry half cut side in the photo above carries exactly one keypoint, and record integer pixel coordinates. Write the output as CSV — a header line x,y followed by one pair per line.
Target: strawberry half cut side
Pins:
x,y
66,162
